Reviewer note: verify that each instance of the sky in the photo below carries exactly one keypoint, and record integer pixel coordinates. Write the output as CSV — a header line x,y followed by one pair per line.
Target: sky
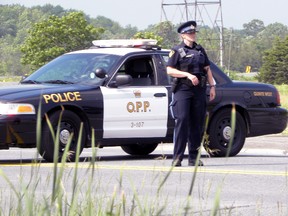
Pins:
x,y
142,13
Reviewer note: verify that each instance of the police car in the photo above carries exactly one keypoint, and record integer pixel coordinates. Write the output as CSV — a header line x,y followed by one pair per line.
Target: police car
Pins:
x,y
118,93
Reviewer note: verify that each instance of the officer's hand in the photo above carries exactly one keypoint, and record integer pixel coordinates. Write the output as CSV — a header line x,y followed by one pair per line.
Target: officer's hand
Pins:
x,y
212,93
193,79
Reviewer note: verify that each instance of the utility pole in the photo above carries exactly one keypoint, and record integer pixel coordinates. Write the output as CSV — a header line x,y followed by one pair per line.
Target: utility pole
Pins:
x,y
205,13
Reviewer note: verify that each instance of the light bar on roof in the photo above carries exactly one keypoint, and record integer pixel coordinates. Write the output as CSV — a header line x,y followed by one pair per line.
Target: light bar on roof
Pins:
x,y
125,43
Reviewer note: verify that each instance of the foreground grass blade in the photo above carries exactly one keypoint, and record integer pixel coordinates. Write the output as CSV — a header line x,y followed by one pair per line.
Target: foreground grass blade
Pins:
x,y
233,127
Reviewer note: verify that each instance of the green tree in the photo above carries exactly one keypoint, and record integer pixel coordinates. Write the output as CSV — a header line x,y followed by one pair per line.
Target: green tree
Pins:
x,y
113,30
275,63
49,9
254,27
55,36
274,30
19,19
167,31
8,19
10,57
148,35
209,38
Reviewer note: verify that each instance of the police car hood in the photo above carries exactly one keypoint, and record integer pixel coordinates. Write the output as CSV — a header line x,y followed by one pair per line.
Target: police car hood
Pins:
x,y
22,92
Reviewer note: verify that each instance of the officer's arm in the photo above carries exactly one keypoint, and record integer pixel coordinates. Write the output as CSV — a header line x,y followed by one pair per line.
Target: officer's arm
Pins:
x,y
209,76
211,82
182,74
176,73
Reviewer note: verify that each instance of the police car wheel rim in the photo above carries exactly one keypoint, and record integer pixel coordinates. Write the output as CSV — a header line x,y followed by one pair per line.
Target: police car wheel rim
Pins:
x,y
227,132
65,132
224,132
64,136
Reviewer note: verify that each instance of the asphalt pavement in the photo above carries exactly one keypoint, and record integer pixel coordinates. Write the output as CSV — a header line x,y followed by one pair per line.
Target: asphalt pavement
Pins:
x,y
276,141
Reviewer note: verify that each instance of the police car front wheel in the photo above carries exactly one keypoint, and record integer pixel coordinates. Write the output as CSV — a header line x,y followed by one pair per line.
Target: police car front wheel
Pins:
x,y
69,133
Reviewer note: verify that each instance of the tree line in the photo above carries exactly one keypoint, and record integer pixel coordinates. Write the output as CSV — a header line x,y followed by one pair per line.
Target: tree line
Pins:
x,y
30,37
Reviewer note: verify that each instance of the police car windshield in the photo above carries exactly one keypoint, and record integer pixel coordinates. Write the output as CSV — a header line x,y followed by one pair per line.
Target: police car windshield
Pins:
x,y
74,68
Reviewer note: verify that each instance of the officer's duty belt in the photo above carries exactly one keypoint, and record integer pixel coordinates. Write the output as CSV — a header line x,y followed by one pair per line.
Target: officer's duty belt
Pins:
x,y
202,81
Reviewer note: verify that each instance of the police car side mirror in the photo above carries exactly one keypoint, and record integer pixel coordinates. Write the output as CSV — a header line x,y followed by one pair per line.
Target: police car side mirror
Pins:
x,y
101,73
23,77
121,80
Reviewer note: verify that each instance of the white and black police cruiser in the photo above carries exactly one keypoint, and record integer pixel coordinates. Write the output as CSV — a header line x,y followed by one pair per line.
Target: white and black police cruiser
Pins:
x,y
119,89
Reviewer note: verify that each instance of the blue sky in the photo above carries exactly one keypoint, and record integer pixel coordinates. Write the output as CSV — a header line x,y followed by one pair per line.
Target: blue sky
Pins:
x,y
142,13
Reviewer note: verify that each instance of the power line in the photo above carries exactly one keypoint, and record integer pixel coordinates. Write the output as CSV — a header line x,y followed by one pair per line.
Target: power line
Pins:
x,y
205,13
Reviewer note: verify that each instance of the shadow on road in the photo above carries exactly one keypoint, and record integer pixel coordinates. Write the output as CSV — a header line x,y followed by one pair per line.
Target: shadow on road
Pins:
x,y
141,157
88,159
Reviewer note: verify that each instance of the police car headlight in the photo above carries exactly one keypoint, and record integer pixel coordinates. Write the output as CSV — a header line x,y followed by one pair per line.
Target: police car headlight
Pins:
x,y
16,109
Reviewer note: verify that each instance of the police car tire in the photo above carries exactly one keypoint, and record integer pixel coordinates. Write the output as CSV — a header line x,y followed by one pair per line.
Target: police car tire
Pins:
x,y
139,149
217,140
70,122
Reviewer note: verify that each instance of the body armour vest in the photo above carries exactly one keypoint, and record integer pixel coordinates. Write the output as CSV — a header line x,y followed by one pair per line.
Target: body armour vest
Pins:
x,y
192,60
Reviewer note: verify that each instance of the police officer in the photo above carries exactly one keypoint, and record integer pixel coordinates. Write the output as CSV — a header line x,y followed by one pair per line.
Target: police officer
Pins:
x,y
189,63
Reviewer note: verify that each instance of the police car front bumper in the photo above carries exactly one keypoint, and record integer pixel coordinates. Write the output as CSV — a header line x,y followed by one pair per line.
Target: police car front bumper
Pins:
x,y
17,130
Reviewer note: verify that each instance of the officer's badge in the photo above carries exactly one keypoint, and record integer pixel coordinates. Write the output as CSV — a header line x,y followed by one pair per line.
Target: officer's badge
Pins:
x,y
171,53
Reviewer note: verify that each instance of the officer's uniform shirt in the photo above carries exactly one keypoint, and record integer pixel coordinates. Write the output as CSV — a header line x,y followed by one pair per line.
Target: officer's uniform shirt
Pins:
x,y
189,59
193,60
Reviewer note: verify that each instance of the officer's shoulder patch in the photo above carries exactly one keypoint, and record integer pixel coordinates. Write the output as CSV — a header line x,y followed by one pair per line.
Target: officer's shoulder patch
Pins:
x,y
171,53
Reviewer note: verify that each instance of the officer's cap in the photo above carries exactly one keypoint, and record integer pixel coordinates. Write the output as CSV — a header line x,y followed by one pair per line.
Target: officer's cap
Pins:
x,y
187,27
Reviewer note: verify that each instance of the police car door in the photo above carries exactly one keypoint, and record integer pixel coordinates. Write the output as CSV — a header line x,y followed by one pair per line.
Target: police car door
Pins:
x,y
138,110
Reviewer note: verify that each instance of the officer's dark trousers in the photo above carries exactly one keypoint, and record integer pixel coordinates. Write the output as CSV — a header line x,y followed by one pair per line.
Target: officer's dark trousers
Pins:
x,y
188,107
